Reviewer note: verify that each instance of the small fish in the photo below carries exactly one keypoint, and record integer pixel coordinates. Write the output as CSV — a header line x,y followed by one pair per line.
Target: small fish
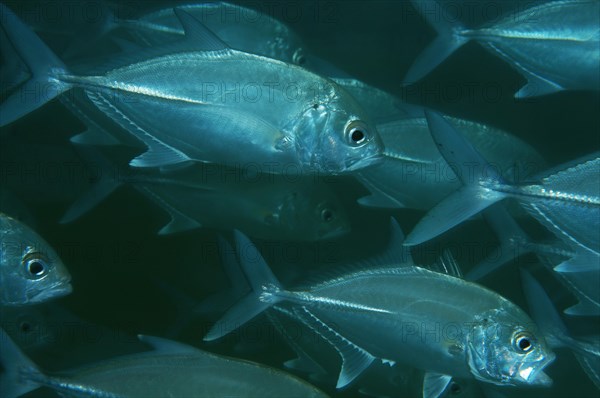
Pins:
x,y
267,206
555,45
171,369
414,175
30,270
566,199
198,100
385,312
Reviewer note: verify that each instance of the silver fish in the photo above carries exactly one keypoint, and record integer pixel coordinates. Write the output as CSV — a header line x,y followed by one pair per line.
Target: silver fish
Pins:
x,y
241,28
566,199
555,45
30,270
266,206
203,101
400,312
414,175
172,369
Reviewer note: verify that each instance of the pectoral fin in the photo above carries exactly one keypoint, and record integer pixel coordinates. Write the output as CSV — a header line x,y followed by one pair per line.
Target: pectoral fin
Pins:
x,y
434,384
94,136
536,85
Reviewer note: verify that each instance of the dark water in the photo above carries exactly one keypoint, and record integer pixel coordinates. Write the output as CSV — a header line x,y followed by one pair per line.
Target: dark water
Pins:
x,y
116,258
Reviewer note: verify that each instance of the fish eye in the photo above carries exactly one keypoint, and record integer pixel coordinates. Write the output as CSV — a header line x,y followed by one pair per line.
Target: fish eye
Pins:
x,y
298,57
25,327
36,267
523,342
327,215
356,133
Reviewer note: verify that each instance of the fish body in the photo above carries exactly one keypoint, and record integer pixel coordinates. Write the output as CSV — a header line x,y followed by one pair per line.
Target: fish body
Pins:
x,y
555,45
240,27
215,105
400,312
172,369
30,270
414,175
566,199
267,206
302,211
567,202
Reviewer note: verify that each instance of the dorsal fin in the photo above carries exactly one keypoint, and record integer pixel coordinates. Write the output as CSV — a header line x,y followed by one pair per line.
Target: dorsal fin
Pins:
x,y
167,346
196,32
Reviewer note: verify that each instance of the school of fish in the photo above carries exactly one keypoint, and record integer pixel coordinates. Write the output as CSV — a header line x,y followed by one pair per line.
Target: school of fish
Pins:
x,y
213,126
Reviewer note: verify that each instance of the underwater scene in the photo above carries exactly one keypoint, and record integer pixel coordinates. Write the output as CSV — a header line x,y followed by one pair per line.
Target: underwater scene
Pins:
x,y
384,198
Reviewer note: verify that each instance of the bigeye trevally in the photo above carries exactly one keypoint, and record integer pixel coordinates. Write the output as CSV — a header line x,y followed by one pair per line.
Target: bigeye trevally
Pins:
x,y
172,369
240,27
399,312
554,45
566,199
30,270
266,206
199,100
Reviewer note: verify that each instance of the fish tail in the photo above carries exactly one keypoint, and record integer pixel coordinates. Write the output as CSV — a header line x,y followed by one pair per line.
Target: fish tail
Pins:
x,y
449,39
44,65
482,184
19,373
265,292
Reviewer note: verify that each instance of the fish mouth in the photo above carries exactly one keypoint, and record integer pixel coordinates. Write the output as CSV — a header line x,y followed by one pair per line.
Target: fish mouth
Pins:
x,y
353,165
535,375
337,232
61,288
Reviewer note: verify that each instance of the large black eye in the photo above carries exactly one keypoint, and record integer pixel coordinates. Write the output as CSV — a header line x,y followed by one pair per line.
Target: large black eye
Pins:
x,y
327,215
356,133
298,58
36,268
523,342
25,327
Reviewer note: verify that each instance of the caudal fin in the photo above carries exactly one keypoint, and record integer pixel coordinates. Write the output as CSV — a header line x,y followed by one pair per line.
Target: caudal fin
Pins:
x,y
473,171
41,61
18,371
447,41
262,296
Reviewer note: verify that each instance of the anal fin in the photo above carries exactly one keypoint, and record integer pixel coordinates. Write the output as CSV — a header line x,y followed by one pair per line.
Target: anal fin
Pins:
x,y
179,221
434,384
158,154
354,359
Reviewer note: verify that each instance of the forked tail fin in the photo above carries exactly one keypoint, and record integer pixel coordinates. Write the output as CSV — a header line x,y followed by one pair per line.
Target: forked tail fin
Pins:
x,y
41,61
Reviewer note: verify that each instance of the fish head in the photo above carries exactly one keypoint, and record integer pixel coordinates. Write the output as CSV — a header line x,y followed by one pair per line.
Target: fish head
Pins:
x,y
335,135
505,349
30,270
312,212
